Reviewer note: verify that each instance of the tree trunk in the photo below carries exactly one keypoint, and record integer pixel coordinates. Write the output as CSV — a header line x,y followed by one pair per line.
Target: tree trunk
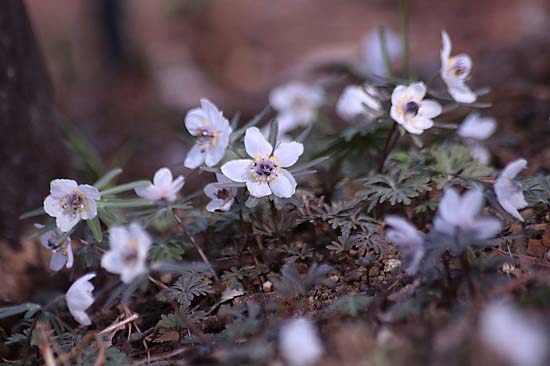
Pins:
x,y
31,145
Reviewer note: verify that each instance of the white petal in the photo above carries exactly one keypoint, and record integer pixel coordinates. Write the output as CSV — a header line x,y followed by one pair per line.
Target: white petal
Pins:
x,y
215,116
486,228
67,222
412,129
290,178
288,153
90,191
447,45
286,122
194,119
471,203
52,206
237,170
480,153
91,210
461,93
214,155
214,205
511,209
398,93
195,157
281,187
256,144
118,237
70,255
430,108
128,274
81,317
143,238
395,115
62,187
448,206
418,90
150,192
227,206
514,168
175,187
112,262
57,261
210,190
163,179
422,123
258,189
476,127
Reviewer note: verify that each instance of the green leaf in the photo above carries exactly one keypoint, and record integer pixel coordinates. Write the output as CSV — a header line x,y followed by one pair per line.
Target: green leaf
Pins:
x,y
123,203
37,212
103,181
45,229
64,237
273,131
254,121
251,202
7,311
95,228
125,187
107,216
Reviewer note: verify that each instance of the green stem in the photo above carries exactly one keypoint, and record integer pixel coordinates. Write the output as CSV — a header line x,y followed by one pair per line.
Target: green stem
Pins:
x,y
390,142
385,54
404,28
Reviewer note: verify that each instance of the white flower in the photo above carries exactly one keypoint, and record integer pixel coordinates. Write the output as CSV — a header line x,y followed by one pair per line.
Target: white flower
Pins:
x,y
212,131
509,192
458,215
296,104
509,333
350,105
69,202
477,127
480,153
299,342
164,187
410,110
79,298
407,237
221,197
62,252
455,71
371,52
264,173
128,252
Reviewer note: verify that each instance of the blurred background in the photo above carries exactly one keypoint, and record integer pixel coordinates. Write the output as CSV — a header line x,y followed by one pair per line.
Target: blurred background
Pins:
x,y
115,77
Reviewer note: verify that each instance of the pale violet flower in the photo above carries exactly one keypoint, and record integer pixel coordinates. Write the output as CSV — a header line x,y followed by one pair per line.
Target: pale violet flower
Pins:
x,y
350,104
79,298
62,253
475,129
509,333
509,192
408,238
128,252
296,104
222,198
164,187
264,174
459,215
212,131
455,70
410,110
70,202
299,343
372,55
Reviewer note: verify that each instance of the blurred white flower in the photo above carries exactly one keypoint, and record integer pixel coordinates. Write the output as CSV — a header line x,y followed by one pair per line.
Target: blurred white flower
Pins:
x,y
459,215
477,127
128,251
79,298
513,335
299,342
455,71
212,131
62,253
296,104
408,238
350,105
264,173
410,110
509,192
222,198
164,187
474,129
69,202
372,55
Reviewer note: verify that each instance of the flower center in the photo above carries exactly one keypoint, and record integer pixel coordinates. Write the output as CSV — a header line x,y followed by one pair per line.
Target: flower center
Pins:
x,y
265,169
458,68
74,203
411,108
206,138
300,103
223,194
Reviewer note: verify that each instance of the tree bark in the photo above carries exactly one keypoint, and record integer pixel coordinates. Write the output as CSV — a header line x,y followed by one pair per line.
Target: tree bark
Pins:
x,y
31,146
